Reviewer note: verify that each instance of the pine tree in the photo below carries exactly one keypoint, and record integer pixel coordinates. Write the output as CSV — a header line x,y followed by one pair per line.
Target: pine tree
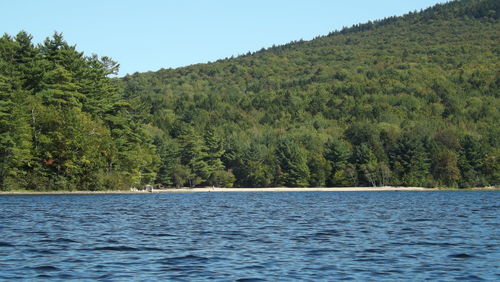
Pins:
x,y
193,155
470,162
338,153
293,163
217,174
366,163
410,161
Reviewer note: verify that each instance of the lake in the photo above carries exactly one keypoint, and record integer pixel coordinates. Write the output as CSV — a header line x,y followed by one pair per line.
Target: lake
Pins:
x,y
437,235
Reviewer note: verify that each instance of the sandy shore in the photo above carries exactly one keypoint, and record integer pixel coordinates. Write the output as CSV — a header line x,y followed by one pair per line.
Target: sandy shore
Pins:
x,y
210,189
217,189
288,189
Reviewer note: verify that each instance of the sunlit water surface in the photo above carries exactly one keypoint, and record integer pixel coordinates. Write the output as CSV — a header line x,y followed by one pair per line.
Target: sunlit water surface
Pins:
x,y
252,236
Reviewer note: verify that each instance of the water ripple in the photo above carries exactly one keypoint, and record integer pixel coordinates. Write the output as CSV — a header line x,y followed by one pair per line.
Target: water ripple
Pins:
x,y
252,236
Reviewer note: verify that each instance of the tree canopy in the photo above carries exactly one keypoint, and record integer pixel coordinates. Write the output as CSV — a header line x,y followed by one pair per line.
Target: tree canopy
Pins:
x,y
410,101
64,123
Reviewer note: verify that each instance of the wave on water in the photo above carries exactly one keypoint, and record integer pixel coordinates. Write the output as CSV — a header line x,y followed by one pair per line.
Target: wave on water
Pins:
x,y
332,236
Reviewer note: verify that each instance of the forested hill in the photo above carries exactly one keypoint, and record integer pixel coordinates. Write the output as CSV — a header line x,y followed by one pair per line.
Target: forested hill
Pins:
x,y
410,100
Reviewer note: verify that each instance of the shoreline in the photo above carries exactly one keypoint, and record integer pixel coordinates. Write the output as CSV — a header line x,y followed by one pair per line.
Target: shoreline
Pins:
x,y
244,190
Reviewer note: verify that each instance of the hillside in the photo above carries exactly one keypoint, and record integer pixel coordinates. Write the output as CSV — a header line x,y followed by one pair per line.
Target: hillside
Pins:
x,y
410,100
406,101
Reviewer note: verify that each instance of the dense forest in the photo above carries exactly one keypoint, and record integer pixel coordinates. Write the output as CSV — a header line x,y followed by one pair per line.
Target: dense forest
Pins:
x,y
63,123
406,101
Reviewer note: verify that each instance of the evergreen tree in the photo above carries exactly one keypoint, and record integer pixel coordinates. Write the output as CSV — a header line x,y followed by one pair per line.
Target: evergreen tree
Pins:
x,y
470,162
319,169
367,164
445,168
293,163
193,155
63,124
409,160
214,153
338,154
400,110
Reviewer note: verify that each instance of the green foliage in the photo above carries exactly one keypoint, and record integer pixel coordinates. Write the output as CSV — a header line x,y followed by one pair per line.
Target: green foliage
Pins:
x,y
409,100
410,161
445,168
63,122
319,169
221,178
337,154
182,174
293,164
396,98
193,154
471,162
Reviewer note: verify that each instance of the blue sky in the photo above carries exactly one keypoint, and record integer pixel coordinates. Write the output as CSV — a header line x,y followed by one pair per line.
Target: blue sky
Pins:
x,y
144,35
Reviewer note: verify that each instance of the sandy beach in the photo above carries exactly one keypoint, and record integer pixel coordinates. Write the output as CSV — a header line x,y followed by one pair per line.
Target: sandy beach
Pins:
x,y
288,189
219,189
250,189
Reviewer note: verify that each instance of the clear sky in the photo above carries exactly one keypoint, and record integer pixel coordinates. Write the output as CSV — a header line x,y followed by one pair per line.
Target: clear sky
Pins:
x,y
145,35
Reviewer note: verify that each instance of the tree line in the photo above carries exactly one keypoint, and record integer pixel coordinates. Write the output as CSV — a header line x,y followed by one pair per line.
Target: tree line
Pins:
x,y
409,101
406,101
64,124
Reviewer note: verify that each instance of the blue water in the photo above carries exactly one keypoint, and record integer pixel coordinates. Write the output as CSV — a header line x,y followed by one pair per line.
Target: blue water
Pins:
x,y
252,236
